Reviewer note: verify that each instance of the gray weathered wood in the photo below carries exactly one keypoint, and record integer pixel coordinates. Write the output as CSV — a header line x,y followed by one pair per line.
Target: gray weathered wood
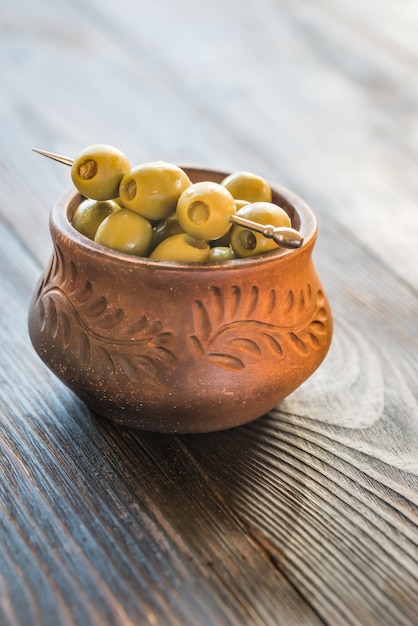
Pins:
x,y
310,514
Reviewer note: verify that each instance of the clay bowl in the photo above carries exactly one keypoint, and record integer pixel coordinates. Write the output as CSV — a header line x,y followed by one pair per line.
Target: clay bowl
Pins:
x,y
180,348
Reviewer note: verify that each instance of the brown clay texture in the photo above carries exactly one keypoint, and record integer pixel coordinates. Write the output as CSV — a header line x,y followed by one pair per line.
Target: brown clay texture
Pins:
x,y
180,348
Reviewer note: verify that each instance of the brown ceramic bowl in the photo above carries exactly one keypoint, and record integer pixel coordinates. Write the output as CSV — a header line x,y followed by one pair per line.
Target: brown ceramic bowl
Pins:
x,y
182,348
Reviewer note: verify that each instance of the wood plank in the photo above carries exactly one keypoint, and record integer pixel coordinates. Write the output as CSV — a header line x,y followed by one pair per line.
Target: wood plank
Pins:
x,y
319,514
308,515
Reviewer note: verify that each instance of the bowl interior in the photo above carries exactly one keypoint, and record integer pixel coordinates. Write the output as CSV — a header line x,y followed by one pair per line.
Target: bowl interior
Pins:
x,y
302,219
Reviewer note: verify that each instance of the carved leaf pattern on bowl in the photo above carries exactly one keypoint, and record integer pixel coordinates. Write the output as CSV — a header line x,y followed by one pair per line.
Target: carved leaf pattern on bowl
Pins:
x,y
99,332
230,329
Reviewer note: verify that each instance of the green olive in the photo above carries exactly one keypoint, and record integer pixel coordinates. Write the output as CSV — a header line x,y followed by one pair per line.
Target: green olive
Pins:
x,y
125,231
182,248
246,242
98,170
152,189
219,254
204,210
165,228
90,214
247,186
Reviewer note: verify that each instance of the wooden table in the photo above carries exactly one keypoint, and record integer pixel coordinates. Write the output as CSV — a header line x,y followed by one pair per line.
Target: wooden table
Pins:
x,y
308,515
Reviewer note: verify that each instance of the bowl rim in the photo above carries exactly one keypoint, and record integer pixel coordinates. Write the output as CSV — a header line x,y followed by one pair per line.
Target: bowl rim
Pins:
x,y
302,214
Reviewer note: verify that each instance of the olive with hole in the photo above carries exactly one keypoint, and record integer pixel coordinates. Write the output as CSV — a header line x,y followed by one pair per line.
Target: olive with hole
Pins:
x,y
152,189
98,170
125,231
204,210
248,243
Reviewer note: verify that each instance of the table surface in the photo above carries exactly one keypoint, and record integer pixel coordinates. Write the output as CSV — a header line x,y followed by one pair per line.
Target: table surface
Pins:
x,y
308,515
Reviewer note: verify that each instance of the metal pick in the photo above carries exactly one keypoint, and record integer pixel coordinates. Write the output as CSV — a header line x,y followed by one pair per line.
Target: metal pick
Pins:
x,y
282,235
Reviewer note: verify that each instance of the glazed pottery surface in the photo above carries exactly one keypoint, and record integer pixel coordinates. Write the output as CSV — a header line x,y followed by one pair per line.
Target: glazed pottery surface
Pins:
x,y
175,347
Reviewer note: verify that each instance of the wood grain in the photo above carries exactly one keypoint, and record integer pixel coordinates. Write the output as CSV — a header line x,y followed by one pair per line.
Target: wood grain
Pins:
x,y
310,514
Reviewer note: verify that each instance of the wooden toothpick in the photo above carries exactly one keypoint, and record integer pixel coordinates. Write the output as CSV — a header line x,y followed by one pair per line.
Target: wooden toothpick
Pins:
x,y
56,157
